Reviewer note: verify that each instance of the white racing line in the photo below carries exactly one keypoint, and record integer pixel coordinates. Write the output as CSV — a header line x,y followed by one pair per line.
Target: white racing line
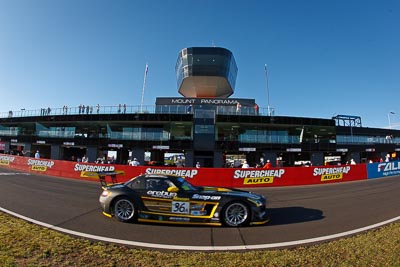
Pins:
x,y
13,173
202,248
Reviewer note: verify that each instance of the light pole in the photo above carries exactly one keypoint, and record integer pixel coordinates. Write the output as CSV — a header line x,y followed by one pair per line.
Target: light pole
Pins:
x,y
266,77
390,125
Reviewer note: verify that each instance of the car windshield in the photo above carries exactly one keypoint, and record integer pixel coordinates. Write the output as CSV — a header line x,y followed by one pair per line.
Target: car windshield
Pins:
x,y
185,185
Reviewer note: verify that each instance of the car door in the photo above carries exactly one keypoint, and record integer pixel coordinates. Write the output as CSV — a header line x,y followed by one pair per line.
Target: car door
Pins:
x,y
156,197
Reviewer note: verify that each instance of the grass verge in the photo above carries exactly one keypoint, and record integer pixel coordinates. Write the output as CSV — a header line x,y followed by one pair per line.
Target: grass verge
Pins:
x,y
26,244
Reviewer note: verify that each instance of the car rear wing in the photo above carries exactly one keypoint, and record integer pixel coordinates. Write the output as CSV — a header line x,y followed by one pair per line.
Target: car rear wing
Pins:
x,y
102,176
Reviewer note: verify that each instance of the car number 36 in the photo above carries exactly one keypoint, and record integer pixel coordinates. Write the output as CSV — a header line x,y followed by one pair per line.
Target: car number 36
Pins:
x,y
180,207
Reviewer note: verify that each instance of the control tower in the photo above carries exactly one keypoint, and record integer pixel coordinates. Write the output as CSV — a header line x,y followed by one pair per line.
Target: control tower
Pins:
x,y
208,72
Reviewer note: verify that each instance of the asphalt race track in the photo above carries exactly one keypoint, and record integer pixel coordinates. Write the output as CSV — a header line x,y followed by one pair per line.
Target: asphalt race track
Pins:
x,y
299,215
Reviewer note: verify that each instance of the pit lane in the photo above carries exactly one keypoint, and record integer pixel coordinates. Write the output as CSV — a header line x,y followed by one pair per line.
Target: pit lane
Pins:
x,y
299,215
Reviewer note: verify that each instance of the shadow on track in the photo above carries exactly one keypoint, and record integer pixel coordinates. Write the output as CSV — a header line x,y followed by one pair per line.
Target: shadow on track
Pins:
x,y
289,215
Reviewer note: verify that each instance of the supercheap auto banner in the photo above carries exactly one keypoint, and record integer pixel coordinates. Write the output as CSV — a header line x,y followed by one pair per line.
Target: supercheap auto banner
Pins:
x,y
223,177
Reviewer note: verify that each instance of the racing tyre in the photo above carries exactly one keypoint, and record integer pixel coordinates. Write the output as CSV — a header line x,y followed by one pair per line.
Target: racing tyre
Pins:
x,y
125,210
236,214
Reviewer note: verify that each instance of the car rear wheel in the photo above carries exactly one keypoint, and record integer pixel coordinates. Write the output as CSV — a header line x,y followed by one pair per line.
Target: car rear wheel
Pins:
x,y
124,210
236,214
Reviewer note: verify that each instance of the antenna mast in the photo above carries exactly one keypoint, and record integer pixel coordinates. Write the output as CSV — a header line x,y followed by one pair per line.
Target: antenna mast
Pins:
x,y
266,77
144,85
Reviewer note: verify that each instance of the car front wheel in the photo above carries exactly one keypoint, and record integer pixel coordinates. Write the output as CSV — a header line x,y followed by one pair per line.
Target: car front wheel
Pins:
x,y
124,210
236,214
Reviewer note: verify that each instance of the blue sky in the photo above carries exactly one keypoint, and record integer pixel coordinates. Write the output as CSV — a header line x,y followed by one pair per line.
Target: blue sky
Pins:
x,y
324,57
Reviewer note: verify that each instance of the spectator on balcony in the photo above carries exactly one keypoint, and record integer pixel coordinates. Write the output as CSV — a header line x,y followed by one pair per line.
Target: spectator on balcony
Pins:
x,y
256,109
238,107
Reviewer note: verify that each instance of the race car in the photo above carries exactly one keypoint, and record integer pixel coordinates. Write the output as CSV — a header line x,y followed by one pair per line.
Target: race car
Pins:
x,y
172,199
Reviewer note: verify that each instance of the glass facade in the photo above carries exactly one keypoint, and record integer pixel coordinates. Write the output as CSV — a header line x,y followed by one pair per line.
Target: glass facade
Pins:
x,y
209,62
364,140
258,133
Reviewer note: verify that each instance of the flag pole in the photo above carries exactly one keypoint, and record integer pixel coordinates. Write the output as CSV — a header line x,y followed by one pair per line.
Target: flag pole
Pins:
x,y
390,125
144,85
266,77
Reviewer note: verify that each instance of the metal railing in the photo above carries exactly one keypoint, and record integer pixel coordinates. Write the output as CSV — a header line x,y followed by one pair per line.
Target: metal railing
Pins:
x,y
124,109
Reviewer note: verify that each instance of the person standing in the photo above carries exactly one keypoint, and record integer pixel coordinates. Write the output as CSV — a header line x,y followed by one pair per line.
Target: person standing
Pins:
x,y
189,109
134,162
256,109
268,165
85,159
238,107
37,154
245,165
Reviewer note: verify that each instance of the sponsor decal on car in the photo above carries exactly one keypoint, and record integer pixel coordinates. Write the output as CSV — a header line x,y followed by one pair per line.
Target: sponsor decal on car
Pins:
x,y
161,194
179,219
40,165
205,197
177,172
329,174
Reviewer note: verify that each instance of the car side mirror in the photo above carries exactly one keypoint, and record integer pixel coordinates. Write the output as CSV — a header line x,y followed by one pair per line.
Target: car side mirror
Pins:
x,y
173,189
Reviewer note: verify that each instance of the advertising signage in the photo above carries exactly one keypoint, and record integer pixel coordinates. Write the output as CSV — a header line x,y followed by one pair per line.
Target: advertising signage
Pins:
x,y
223,177
204,101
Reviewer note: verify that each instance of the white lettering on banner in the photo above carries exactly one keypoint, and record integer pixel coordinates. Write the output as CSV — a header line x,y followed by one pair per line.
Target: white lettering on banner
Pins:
x,y
258,173
45,163
93,168
218,101
389,166
182,101
177,172
7,158
322,171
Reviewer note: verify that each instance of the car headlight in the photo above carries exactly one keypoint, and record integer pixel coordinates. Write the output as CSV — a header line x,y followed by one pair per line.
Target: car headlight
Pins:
x,y
256,202
106,193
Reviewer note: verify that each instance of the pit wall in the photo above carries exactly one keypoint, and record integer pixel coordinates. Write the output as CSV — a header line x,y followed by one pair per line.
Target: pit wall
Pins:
x,y
223,177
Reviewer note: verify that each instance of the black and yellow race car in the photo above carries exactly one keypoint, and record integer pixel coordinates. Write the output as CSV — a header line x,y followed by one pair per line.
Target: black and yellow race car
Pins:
x,y
172,199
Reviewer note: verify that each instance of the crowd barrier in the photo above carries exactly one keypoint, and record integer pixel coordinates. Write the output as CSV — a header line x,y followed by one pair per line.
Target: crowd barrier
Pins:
x,y
223,177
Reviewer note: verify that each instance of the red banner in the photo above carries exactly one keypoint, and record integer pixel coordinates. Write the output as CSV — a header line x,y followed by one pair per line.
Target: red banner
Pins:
x,y
223,177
